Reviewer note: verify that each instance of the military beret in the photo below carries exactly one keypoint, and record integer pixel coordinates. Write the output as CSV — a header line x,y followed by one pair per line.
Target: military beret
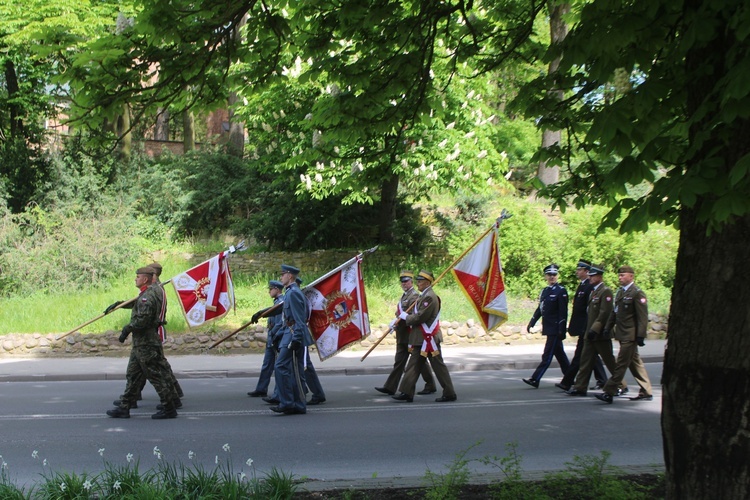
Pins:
x,y
584,264
406,275
551,269
626,269
285,268
595,269
156,267
426,275
275,284
145,270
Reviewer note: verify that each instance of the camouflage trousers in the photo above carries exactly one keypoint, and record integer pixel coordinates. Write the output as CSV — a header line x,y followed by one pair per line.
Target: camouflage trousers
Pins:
x,y
146,361
136,376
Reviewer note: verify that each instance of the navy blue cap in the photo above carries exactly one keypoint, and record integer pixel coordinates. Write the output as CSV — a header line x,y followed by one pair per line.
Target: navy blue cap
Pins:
x,y
584,264
285,268
275,284
551,269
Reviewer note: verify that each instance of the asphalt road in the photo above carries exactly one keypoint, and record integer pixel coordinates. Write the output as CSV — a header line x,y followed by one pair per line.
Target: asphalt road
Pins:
x,y
357,437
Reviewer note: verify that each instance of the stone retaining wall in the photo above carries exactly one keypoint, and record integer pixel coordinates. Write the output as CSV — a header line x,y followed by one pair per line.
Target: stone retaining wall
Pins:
x,y
253,340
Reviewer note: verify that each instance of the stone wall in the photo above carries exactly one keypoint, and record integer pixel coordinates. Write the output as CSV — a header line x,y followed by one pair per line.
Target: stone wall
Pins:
x,y
253,340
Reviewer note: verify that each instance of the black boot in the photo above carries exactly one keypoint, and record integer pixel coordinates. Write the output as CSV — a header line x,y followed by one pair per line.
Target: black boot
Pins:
x,y
167,412
132,405
119,413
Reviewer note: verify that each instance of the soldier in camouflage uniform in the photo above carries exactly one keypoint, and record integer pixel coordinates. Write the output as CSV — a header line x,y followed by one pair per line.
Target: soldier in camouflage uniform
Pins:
x,y
144,324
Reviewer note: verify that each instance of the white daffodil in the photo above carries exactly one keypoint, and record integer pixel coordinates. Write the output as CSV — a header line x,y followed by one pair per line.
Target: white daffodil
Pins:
x,y
156,450
63,486
191,454
101,452
34,454
129,457
87,485
117,485
242,476
249,462
225,447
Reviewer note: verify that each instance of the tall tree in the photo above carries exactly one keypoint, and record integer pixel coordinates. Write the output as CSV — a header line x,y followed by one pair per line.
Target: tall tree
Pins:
x,y
674,149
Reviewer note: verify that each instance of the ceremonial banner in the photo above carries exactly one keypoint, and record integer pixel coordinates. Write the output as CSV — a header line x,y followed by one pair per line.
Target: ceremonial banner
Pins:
x,y
206,292
338,308
479,275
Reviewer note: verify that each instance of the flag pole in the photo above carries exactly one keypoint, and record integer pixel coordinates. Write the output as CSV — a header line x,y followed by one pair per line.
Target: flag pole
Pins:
x,y
239,248
273,308
503,216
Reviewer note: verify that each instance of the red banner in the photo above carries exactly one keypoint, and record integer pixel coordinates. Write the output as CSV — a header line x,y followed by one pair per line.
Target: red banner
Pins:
x,y
206,291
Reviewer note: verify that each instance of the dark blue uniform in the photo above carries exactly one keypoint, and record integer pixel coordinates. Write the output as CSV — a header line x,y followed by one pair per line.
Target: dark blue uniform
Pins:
x,y
269,358
553,309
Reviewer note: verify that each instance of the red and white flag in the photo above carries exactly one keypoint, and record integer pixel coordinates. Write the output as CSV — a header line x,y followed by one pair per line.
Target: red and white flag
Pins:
x,y
480,276
338,308
206,291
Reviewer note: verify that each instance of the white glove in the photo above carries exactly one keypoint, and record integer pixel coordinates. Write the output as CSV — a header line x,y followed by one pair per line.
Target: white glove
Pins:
x,y
392,324
232,249
403,316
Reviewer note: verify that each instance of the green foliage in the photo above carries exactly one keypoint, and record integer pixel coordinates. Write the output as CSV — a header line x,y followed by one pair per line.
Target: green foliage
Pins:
x,y
23,170
447,485
513,487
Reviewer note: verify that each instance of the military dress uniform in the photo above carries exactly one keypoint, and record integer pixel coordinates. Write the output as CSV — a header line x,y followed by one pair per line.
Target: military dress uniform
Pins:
x,y
425,320
289,368
273,328
577,328
553,310
629,321
596,342
404,339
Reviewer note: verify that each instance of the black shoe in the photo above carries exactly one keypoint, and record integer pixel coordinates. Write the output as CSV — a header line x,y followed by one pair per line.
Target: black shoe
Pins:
x,y
257,394
597,387
607,398
162,414
446,399
133,405
573,392
403,397
287,411
623,391
533,383
119,413
176,403
271,401
385,391
562,386
315,401
642,397
425,392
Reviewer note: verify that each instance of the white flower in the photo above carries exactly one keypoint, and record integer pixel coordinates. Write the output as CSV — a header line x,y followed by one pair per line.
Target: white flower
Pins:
x,y
482,154
87,485
469,135
450,125
249,462
191,455
156,450
318,177
116,486
242,476
129,457
158,456
44,463
101,452
216,460
62,486
225,447
34,454
333,181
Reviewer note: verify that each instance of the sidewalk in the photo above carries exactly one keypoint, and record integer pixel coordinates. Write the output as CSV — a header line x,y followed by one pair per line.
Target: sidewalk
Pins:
x,y
380,361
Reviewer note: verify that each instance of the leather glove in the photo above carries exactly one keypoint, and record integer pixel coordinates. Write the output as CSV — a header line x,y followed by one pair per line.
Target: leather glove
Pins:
x,y
591,335
641,341
403,316
294,345
110,308
255,317
528,328
125,332
605,334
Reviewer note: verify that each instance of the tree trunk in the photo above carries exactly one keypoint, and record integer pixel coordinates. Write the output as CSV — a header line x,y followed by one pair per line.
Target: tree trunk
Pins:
x,y
236,143
706,382
188,131
388,197
161,129
124,133
558,31
16,113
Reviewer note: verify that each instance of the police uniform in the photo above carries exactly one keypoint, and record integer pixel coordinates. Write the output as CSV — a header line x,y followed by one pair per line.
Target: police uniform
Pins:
x,y
273,327
629,321
553,310
310,378
144,324
289,368
425,319
577,328
403,342
596,343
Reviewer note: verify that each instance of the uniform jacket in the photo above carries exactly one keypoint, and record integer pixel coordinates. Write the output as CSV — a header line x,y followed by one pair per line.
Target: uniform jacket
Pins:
x,y
144,317
404,331
273,327
553,309
599,308
427,310
578,315
294,317
630,314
